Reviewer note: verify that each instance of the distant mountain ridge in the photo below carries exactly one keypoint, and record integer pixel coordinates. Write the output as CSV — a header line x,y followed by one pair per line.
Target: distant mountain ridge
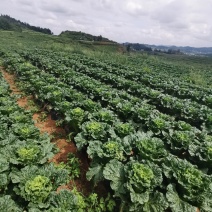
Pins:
x,y
185,49
11,24
164,48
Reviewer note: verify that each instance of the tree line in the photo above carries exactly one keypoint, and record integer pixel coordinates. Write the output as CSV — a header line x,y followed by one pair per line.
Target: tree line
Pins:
x,y
11,24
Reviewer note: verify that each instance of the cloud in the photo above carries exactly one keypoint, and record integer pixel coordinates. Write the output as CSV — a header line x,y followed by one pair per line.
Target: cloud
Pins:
x,y
25,2
134,8
102,4
57,9
74,25
169,22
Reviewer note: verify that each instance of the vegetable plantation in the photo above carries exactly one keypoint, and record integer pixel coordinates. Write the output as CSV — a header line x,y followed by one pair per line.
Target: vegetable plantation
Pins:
x,y
148,138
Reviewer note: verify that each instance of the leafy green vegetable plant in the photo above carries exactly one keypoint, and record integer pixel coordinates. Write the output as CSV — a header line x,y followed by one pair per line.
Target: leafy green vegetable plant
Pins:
x,y
35,184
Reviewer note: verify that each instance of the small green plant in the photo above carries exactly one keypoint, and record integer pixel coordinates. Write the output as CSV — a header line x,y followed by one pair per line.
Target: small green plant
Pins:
x,y
146,69
73,164
57,135
43,116
96,204
59,122
33,107
197,77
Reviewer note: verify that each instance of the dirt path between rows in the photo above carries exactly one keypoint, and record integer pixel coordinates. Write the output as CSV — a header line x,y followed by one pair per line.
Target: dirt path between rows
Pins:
x,y
48,125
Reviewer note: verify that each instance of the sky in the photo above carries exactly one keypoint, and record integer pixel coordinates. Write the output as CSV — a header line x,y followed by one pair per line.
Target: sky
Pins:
x,y
160,22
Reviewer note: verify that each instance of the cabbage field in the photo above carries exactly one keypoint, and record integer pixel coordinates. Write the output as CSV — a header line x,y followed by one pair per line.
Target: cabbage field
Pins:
x,y
147,136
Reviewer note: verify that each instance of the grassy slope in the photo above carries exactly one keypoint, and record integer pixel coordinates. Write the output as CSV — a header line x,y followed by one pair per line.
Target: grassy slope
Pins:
x,y
197,62
198,68
29,38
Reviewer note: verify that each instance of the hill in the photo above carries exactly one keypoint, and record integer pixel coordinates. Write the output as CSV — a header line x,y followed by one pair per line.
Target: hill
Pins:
x,y
92,42
11,24
74,35
17,31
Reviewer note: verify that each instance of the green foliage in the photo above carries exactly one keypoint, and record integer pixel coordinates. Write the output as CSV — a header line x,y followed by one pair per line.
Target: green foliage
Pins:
x,y
91,130
142,179
148,147
73,165
34,184
197,78
8,23
25,131
95,172
27,154
193,184
176,203
134,124
157,203
203,151
94,129
67,201
181,139
101,204
37,189
114,150
123,129
75,118
139,180
4,169
74,201
7,204
114,171
141,175
104,115
74,35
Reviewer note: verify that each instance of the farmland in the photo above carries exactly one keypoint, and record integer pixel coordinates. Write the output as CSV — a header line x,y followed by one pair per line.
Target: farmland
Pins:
x,y
144,125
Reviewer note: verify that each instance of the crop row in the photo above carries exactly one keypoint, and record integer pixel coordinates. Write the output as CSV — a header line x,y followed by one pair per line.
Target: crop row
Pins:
x,y
179,135
139,168
163,83
170,87
177,73
27,180
191,112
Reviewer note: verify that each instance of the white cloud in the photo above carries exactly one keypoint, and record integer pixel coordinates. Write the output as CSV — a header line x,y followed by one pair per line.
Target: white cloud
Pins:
x,y
134,8
169,22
